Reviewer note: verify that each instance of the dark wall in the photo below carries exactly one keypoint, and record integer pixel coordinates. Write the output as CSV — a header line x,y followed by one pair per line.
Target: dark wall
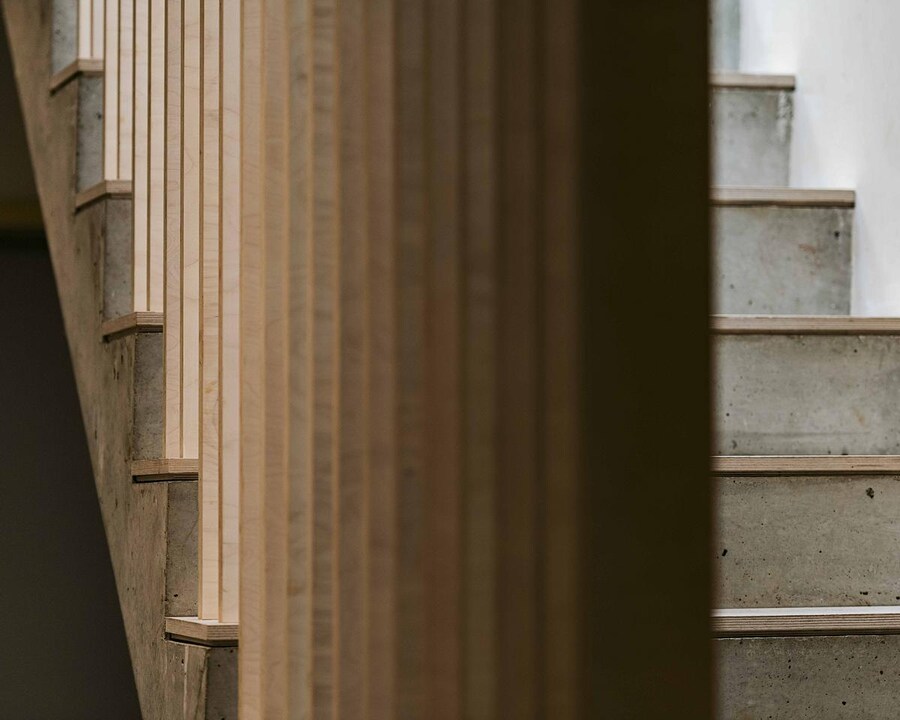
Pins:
x,y
63,653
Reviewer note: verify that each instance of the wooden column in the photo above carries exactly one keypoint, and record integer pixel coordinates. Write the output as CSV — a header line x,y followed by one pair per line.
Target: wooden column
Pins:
x,y
409,307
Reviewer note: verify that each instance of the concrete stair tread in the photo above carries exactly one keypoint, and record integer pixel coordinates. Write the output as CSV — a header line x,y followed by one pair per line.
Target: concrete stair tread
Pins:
x,y
804,325
754,196
210,633
804,465
164,469
806,621
752,81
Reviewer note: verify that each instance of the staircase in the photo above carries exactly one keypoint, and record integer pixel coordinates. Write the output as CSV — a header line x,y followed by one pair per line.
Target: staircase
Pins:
x,y
807,430
183,668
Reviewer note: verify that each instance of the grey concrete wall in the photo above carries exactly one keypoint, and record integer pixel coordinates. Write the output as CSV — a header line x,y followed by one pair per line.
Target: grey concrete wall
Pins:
x,y
751,132
807,541
796,395
782,261
817,678
725,34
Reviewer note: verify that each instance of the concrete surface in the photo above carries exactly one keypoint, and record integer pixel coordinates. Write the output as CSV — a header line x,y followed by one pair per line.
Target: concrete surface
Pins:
x,y
725,34
796,395
751,135
807,541
782,261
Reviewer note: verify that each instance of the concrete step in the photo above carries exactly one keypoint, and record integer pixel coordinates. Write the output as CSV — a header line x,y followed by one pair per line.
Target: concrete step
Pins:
x,y
806,385
782,251
751,117
849,668
807,531
725,34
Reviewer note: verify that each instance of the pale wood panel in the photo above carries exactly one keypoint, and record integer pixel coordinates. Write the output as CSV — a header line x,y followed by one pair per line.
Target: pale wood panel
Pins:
x,y
126,88
785,622
803,325
209,315
156,160
805,465
85,28
229,381
173,275
97,26
190,227
140,185
111,92
252,323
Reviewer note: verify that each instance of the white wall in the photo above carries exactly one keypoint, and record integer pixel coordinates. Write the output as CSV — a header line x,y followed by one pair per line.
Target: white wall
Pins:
x,y
846,56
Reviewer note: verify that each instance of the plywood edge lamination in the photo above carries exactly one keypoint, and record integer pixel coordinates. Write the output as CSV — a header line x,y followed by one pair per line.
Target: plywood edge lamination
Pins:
x,y
805,465
806,622
105,190
210,633
165,469
82,66
750,81
803,325
136,322
782,197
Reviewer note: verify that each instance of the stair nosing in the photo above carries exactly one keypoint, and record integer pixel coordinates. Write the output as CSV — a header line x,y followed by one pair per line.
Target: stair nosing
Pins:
x,y
165,469
803,325
752,81
804,465
806,622
81,66
209,633
132,323
760,196
103,190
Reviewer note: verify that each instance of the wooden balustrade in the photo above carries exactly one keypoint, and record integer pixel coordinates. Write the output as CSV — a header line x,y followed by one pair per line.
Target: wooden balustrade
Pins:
x,y
90,29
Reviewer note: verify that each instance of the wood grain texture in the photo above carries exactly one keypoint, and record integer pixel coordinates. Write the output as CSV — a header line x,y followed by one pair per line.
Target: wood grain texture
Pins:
x,y
165,469
806,622
126,89
747,81
202,632
803,325
74,70
136,322
111,91
156,156
140,163
781,197
805,465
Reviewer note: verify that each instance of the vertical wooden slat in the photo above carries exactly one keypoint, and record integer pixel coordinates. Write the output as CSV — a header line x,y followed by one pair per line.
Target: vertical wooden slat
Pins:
x,y
229,307
140,188
481,601
126,88
156,156
381,490
111,91
97,23
190,227
253,577
85,26
209,315
173,277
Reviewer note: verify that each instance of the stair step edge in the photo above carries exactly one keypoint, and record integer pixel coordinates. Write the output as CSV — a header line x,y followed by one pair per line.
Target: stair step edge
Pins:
x,y
165,469
804,465
759,196
209,633
806,622
132,323
103,190
803,325
82,66
752,81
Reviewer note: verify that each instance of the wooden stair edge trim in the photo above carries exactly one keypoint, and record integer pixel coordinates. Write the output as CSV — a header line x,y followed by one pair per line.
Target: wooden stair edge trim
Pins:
x,y
806,622
81,66
803,325
132,323
165,469
735,196
103,190
752,81
209,633
804,465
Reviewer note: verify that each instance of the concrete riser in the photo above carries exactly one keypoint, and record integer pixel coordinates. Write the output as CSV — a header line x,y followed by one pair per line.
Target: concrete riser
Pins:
x,y
751,131
806,395
782,260
817,678
807,541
